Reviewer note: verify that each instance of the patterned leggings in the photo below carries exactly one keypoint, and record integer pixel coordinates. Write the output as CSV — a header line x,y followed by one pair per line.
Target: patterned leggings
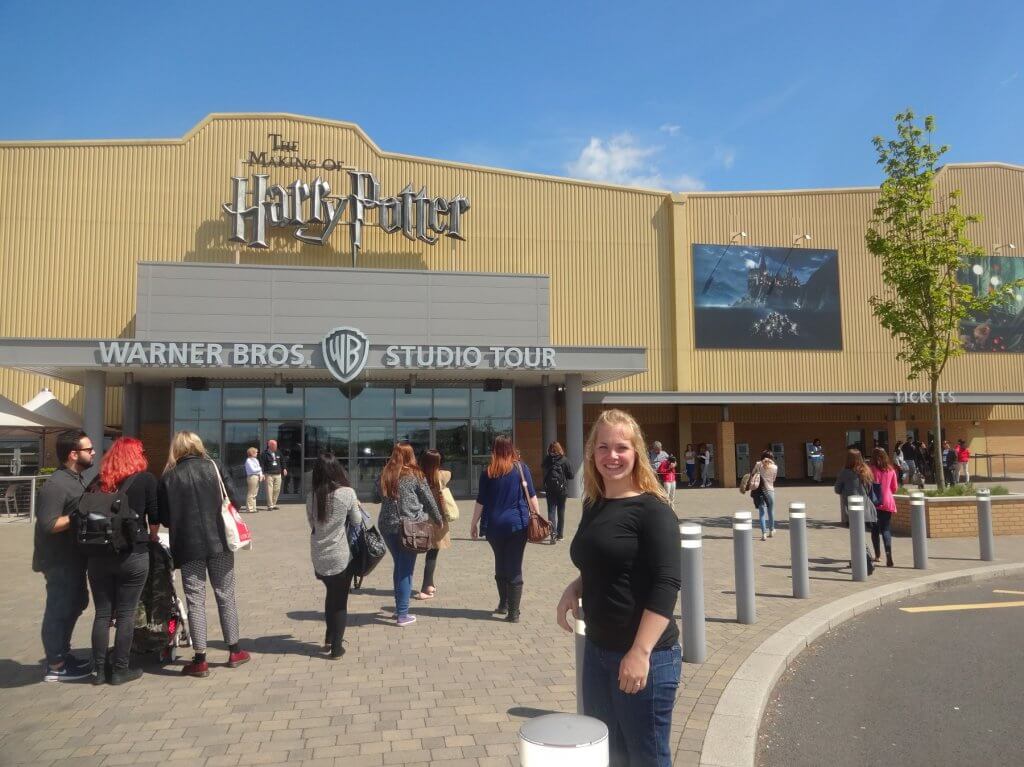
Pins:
x,y
222,576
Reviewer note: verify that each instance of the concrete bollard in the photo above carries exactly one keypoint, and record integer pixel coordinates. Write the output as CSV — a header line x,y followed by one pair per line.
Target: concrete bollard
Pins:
x,y
858,550
986,539
563,740
919,531
580,637
691,596
743,565
798,550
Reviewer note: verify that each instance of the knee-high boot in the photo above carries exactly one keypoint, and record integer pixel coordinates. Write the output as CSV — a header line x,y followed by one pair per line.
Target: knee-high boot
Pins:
x,y
502,607
515,596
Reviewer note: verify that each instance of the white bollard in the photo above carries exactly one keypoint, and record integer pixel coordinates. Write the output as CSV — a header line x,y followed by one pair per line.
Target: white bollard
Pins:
x,y
563,740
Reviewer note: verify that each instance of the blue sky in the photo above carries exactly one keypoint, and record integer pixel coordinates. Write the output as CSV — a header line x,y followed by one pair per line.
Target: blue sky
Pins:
x,y
677,95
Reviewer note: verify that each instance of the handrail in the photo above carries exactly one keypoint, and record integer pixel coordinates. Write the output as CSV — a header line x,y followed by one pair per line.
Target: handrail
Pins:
x,y
33,481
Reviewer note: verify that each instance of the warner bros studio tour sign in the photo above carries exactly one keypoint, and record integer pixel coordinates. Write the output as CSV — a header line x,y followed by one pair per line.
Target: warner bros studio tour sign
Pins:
x,y
313,212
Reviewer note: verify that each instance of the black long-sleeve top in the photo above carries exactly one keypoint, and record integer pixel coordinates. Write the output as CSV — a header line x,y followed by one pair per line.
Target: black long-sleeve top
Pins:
x,y
627,552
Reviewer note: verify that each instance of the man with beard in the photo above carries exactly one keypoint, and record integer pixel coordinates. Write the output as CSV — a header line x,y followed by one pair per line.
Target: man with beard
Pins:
x,y
56,557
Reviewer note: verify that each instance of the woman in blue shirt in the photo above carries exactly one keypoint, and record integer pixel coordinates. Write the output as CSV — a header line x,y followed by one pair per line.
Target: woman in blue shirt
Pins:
x,y
502,515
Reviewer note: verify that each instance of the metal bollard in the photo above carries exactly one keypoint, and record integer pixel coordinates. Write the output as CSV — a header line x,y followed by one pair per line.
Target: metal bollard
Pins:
x,y
743,564
919,531
691,595
798,550
985,536
580,636
858,551
563,740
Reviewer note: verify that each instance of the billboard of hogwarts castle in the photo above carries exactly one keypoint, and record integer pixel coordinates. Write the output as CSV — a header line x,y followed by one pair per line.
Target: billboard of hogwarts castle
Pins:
x,y
766,298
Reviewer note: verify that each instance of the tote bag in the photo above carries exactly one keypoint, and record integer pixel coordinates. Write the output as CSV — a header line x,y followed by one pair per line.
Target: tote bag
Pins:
x,y
236,532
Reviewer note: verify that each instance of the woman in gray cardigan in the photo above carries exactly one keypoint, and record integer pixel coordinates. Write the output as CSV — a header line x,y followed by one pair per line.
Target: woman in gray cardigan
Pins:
x,y
329,505
855,479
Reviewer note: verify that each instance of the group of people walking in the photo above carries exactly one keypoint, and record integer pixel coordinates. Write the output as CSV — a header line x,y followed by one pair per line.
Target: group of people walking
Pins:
x,y
915,463
625,550
875,482
187,500
696,461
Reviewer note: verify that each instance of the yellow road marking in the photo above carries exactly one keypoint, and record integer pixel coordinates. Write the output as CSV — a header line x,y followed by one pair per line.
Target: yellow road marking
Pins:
x,y
949,608
1005,591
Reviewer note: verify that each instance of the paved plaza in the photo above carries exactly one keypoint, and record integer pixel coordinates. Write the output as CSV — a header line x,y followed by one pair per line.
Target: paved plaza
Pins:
x,y
455,687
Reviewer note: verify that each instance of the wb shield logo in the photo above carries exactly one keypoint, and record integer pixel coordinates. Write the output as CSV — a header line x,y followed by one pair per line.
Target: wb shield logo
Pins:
x,y
345,352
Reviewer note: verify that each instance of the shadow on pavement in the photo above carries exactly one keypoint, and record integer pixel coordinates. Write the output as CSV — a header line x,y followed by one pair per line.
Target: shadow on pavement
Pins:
x,y
525,712
14,674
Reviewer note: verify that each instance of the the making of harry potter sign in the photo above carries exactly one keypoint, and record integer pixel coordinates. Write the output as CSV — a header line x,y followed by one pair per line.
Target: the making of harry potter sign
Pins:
x,y
313,211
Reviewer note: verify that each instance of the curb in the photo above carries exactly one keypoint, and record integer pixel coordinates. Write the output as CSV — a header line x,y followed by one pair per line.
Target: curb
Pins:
x,y
731,738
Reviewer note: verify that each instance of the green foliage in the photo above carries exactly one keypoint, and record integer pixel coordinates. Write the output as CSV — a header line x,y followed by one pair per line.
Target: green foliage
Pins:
x,y
954,490
47,470
921,244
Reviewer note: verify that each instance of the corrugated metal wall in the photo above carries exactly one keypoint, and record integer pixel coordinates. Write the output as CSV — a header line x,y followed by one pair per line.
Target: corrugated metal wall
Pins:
x,y
837,219
78,215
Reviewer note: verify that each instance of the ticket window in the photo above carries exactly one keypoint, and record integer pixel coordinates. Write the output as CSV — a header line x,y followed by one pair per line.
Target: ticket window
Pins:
x,y
880,438
742,459
779,451
855,440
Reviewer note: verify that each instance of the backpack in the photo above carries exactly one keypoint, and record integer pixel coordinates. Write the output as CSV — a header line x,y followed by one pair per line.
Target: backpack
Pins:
x,y
106,524
554,481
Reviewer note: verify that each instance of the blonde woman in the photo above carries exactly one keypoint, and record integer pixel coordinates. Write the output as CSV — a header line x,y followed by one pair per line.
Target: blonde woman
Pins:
x,y
189,499
253,477
627,552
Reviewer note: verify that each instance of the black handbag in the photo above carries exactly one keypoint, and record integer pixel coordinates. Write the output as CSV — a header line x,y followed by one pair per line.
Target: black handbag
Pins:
x,y
367,549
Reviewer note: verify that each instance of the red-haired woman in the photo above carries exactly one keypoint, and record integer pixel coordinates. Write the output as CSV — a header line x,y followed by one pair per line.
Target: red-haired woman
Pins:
x,y
406,496
502,514
117,579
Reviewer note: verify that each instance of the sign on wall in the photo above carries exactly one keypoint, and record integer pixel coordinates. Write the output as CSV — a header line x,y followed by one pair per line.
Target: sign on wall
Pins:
x,y
314,210
766,298
1002,328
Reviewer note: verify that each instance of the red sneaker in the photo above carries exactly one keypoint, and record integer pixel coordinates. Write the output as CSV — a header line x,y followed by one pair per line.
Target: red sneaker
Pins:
x,y
196,668
236,659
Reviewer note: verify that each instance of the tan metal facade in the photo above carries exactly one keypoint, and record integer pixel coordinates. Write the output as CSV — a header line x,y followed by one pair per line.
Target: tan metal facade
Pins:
x,y
77,216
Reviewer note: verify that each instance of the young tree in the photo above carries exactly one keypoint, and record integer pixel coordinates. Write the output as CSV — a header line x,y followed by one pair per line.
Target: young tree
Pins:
x,y
922,243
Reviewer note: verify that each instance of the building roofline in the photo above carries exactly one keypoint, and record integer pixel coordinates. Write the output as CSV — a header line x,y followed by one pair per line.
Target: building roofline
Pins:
x,y
215,116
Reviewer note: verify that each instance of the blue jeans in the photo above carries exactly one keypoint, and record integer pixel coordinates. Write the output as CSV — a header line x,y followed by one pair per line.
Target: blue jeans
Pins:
x,y
765,502
638,725
67,596
405,564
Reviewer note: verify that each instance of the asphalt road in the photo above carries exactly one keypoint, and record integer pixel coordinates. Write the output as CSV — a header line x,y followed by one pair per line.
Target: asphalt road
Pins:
x,y
895,688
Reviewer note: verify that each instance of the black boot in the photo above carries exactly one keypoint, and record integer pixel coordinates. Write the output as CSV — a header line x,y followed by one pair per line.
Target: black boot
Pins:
x,y
888,557
515,596
124,675
502,607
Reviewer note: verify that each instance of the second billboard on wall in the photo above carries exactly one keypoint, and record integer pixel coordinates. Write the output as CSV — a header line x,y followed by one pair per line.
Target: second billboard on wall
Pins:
x,y
766,298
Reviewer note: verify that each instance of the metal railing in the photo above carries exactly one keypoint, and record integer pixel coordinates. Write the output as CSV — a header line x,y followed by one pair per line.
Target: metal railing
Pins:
x,y
983,464
26,490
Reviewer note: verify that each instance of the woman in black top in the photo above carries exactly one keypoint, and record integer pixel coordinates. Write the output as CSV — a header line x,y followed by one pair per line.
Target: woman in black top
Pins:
x,y
117,579
557,474
627,551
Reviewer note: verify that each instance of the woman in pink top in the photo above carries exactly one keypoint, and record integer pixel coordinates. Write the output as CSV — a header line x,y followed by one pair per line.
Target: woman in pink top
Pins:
x,y
885,477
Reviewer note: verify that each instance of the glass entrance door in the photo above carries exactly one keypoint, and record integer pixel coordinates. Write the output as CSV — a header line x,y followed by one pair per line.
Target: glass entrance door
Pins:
x,y
239,436
289,443
451,439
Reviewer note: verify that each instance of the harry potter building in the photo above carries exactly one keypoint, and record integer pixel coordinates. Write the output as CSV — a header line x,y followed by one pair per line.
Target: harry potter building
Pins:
x,y
274,276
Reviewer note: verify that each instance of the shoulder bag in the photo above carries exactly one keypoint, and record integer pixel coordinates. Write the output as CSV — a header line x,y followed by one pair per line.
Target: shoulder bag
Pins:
x,y
418,537
236,532
538,529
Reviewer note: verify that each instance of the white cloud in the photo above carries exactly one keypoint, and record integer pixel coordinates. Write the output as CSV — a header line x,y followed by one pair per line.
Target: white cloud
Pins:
x,y
621,160
749,263
726,156
670,129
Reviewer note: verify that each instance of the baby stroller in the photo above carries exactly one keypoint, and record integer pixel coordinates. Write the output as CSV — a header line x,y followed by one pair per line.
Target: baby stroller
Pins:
x,y
161,624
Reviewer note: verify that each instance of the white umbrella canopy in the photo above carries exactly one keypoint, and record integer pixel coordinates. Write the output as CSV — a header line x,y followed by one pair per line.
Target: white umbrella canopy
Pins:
x,y
48,406
14,416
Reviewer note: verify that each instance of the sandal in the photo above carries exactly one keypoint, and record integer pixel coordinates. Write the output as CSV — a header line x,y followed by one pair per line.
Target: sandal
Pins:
x,y
426,594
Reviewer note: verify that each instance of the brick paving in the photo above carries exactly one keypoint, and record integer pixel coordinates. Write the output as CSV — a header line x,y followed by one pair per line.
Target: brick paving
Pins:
x,y
455,687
